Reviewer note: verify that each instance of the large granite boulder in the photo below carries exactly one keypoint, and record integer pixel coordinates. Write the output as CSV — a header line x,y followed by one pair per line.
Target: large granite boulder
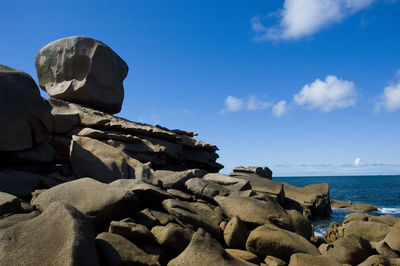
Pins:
x,y
131,230
82,70
205,189
203,249
95,159
61,235
235,233
231,183
271,240
24,114
254,211
98,201
116,250
370,231
351,249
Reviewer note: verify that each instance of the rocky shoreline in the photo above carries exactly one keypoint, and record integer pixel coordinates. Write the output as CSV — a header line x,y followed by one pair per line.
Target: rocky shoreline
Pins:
x,y
81,186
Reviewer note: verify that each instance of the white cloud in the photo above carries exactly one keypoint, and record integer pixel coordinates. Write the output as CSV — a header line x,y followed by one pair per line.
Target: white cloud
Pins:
x,y
233,104
390,100
357,162
301,18
252,103
326,95
280,109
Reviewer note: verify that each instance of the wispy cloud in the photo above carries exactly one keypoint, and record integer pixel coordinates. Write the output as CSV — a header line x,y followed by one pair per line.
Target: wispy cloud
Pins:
x,y
280,108
301,18
390,99
252,103
333,93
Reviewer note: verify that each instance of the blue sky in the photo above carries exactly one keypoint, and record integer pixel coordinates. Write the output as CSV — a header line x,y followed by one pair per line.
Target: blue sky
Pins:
x,y
305,87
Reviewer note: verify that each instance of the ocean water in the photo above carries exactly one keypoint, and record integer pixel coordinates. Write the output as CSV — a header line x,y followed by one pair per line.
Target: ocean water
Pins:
x,y
381,191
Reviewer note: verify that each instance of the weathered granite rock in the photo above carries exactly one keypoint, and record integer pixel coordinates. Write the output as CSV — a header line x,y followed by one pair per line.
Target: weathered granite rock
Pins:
x,y
100,202
180,194
95,159
274,261
16,218
205,189
173,237
271,240
254,211
243,255
148,195
116,250
129,229
350,249
231,183
151,218
389,220
264,185
82,70
301,259
383,249
370,231
205,250
361,207
301,224
253,170
9,204
376,260
312,200
165,149
39,154
195,214
24,114
235,233
177,179
61,235
18,183
393,237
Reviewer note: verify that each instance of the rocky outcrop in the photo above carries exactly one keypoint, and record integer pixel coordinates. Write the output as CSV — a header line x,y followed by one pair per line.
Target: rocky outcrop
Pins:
x,y
361,207
302,259
252,171
82,70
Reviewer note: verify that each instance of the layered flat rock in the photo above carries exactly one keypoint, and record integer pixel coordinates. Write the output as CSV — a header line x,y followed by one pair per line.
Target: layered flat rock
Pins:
x,y
205,250
61,235
232,183
361,207
177,179
254,211
195,214
271,240
24,114
253,170
95,159
116,250
100,202
389,220
82,70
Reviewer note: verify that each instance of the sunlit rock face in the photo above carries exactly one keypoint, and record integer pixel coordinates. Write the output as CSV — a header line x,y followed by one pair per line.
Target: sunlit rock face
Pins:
x,y
82,70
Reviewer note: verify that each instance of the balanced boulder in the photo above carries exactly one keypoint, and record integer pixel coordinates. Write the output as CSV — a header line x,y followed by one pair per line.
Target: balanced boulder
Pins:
x,y
82,70
24,114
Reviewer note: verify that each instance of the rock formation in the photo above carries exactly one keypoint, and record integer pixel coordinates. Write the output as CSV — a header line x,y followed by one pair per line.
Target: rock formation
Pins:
x,y
79,186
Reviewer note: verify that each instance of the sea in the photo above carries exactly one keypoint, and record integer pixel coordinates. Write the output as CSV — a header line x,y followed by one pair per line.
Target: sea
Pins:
x,y
383,191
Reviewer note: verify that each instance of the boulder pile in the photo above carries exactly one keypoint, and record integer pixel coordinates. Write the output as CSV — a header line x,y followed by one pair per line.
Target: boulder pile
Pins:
x,y
80,186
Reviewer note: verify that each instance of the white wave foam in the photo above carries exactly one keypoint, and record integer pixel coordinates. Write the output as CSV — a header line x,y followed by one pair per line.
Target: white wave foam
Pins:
x,y
389,210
